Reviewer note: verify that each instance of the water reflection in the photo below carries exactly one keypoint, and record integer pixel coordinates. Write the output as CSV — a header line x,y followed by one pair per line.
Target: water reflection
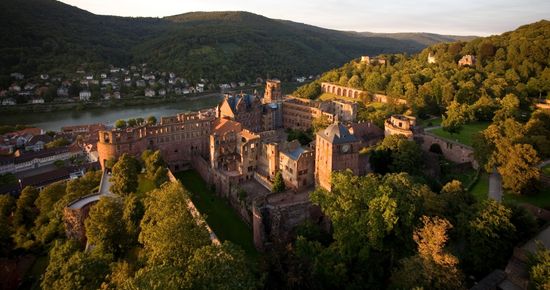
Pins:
x,y
56,120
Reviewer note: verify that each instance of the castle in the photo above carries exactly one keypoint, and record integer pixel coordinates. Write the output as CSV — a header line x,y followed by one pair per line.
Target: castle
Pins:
x,y
239,146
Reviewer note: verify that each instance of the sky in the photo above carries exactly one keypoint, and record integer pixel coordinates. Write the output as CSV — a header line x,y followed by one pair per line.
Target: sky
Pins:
x,y
461,17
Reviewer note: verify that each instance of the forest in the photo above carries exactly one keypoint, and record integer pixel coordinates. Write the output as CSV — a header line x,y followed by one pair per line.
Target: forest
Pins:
x,y
47,36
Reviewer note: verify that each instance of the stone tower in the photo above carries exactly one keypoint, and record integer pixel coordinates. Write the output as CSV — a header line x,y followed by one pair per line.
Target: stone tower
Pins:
x,y
336,149
273,92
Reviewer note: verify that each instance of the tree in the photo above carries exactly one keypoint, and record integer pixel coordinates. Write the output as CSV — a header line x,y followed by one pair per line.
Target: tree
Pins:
x,y
152,120
227,261
539,269
397,154
373,220
169,232
140,121
105,227
160,176
490,237
49,224
58,257
320,123
58,142
509,108
124,179
432,267
7,203
519,167
25,211
455,118
278,183
132,215
152,161
309,91
120,124
81,270
132,122
483,149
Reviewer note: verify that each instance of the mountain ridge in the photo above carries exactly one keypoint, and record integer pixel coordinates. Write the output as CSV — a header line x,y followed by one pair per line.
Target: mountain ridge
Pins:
x,y
38,36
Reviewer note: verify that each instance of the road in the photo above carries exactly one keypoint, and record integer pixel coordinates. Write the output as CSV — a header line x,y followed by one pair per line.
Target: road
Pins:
x,y
495,186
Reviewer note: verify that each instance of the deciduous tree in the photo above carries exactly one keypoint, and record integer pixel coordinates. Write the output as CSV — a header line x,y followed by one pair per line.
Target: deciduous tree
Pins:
x,y
169,232
229,264
124,179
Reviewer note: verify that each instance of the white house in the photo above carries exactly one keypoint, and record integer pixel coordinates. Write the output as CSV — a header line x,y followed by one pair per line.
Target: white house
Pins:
x,y
37,101
85,95
8,102
63,92
149,92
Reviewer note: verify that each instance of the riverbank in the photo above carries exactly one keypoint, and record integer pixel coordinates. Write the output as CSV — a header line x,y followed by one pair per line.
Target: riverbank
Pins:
x,y
108,113
114,103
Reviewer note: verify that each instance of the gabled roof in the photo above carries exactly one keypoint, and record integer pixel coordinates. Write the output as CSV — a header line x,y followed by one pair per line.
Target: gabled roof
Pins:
x,y
232,101
35,139
223,126
337,133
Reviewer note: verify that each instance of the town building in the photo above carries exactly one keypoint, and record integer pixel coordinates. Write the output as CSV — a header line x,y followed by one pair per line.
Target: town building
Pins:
x,y
85,95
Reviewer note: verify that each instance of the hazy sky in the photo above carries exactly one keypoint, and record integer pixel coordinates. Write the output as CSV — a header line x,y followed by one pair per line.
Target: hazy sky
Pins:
x,y
479,17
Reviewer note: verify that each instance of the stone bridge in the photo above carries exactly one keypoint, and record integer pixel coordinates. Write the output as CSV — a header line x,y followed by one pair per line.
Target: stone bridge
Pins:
x,y
342,91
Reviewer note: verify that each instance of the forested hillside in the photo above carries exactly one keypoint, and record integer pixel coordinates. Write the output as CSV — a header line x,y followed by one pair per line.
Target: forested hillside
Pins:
x,y
41,36
514,62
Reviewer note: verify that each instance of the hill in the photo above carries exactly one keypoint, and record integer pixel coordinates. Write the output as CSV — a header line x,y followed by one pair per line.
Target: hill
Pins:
x,y
422,38
514,62
39,36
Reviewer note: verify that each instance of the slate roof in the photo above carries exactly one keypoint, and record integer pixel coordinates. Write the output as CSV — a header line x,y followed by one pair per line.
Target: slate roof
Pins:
x,y
337,133
232,101
295,154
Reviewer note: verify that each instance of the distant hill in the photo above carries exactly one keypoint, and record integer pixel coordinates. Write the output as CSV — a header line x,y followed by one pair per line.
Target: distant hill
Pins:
x,y
422,38
49,36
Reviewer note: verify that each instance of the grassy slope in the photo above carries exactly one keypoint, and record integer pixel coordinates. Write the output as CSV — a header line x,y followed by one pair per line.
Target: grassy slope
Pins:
x,y
481,188
541,199
219,215
465,135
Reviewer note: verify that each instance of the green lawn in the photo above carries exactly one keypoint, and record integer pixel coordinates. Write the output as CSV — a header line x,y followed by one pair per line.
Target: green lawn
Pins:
x,y
465,135
376,105
144,185
480,190
541,199
428,122
221,217
546,169
329,96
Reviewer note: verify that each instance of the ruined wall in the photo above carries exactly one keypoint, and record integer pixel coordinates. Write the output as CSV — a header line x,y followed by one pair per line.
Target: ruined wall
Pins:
x,y
453,151
277,223
74,222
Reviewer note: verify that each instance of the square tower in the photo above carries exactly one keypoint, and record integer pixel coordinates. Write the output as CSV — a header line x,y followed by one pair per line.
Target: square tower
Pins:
x,y
336,149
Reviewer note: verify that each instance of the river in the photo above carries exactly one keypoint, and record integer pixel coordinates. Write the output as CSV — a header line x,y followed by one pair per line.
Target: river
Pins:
x,y
55,120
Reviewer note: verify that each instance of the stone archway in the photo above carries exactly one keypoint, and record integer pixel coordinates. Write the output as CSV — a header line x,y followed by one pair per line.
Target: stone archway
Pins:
x,y
356,95
338,92
344,93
